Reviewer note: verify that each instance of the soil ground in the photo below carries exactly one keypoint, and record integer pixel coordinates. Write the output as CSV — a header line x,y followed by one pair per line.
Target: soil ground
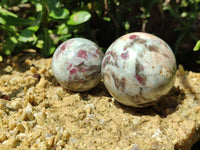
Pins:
x,y
37,113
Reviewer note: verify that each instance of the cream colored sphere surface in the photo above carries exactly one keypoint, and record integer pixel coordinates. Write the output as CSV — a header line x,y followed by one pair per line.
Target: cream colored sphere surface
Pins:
x,y
77,63
138,68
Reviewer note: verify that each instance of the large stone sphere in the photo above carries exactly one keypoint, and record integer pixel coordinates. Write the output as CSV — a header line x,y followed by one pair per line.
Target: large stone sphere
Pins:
x,y
138,69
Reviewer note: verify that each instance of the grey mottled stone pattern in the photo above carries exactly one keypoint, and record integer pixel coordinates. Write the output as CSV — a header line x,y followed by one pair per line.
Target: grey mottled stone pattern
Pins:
x,y
138,68
76,64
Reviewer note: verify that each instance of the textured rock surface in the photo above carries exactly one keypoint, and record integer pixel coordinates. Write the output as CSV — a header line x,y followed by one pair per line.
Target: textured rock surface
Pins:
x,y
76,64
138,68
37,113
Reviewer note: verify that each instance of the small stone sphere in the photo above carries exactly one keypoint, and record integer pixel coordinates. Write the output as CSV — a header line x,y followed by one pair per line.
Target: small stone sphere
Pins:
x,y
138,69
76,64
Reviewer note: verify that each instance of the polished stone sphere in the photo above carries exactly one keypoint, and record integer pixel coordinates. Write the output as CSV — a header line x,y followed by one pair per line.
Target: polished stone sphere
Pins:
x,y
138,69
77,63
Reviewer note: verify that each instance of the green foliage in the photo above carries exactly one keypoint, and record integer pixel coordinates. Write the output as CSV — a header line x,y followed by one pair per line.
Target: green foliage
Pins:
x,y
47,23
186,14
43,24
79,17
197,46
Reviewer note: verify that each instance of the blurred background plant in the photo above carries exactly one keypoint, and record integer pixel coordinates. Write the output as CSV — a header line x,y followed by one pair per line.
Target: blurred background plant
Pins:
x,y
38,24
44,24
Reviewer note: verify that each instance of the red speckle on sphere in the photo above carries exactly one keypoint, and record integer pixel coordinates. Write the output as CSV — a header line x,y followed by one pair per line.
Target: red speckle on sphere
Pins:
x,y
108,53
61,49
125,56
133,37
63,46
82,54
115,57
73,71
106,61
124,49
94,55
97,51
69,67
139,79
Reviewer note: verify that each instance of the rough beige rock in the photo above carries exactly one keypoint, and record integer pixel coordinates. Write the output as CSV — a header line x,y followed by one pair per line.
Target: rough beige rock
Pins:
x,y
37,113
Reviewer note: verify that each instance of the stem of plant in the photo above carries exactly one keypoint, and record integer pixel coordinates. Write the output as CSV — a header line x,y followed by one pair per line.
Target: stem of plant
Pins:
x,y
45,14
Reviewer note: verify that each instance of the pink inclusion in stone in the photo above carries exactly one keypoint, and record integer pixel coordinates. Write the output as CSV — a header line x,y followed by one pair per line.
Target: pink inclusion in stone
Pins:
x,y
124,56
94,55
97,51
69,67
107,59
61,49
108,53
139,79
72,71
133,37
63,46
82,54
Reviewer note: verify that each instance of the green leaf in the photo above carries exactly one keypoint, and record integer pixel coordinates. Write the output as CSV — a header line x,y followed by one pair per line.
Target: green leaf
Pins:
x,y
40,44
2,20
1,58
79,17
5,12
18,21
28,35
9,29
10,44
62,29
55,3
57,13
63,37
197,46
198,61
107,19
48,46
37,4
127,25
9,18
